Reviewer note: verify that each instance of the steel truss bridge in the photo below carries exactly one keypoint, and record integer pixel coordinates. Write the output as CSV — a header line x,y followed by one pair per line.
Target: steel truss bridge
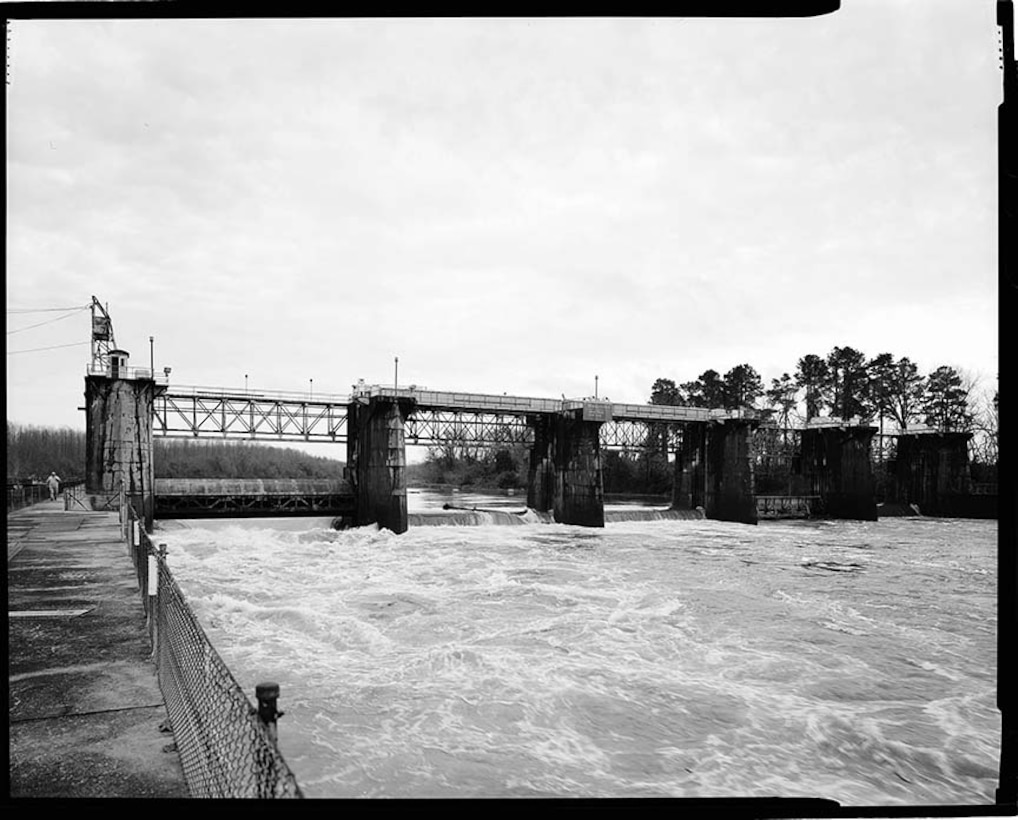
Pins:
x,y
441,418
469,419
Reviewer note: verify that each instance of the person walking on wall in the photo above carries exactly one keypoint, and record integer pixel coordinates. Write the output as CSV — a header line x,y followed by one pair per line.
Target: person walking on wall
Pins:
x,y
53,482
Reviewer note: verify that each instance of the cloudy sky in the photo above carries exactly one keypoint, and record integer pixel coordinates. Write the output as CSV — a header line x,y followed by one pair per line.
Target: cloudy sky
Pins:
x,y
506,205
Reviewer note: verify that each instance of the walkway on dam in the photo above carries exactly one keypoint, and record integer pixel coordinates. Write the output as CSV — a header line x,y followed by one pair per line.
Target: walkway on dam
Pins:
x,y
85,710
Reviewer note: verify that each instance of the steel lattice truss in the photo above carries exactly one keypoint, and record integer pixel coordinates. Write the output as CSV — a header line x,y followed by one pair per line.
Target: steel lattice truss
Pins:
x,y
621,434
236,416
466,428
198,415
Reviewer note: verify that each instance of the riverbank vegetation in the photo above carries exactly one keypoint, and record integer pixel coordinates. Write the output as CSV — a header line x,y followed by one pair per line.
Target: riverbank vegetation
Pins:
x,y
35,452
475,467
32,452
182,458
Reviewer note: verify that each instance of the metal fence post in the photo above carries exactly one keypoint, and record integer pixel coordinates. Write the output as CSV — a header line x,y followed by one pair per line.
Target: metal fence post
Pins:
x,y
268,696
152,604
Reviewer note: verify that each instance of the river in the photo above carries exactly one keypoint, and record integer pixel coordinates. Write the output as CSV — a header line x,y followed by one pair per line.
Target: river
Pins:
x,y
849,660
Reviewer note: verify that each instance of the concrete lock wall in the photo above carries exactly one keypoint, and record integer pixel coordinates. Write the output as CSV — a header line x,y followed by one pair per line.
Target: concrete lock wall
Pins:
x,y
728,474
932,471
118,440
376,461
836,463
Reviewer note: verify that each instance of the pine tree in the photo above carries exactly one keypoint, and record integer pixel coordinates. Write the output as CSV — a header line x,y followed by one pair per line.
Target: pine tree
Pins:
x,y
945,401
742,387
812,374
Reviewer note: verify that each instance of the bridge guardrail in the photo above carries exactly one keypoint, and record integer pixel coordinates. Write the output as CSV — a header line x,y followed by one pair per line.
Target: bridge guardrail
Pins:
x,y
26,494
128,373
21,495
258,395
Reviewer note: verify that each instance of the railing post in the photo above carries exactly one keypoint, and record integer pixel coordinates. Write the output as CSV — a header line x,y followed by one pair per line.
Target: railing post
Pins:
x,y
152,602
268,696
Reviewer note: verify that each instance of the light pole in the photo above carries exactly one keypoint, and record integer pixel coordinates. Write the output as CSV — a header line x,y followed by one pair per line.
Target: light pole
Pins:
x,y
395,375
245,382
152,356
595,387
311,388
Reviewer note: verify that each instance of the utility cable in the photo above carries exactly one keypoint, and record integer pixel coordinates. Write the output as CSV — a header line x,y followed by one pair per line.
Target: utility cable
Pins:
x,y
37,349
48,321
47,310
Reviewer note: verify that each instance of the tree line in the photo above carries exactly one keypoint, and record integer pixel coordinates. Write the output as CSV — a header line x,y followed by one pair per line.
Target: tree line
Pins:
x,y
184,458
33,452
888,391
461,465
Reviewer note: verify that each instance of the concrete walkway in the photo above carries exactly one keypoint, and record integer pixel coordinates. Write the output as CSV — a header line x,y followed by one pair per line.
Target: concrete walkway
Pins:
x,y
85,710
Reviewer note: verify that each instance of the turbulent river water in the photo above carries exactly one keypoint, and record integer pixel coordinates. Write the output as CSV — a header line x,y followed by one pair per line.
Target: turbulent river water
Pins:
x,y
849,660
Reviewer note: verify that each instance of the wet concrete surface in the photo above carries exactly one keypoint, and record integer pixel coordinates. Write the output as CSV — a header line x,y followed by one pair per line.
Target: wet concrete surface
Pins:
x,y
86,716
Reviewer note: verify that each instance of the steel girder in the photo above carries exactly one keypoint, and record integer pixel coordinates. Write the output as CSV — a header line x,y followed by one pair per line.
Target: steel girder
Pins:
x,y
248,417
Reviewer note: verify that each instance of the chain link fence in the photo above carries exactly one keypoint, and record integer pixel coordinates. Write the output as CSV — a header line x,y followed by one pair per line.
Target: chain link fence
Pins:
x,y
227,746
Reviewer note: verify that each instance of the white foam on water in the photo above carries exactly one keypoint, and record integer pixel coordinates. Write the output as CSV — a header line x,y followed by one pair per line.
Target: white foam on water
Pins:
x,y
660,657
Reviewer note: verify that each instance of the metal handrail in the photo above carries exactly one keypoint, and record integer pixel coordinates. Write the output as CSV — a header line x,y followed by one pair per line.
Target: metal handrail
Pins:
x,y
127,373
256,395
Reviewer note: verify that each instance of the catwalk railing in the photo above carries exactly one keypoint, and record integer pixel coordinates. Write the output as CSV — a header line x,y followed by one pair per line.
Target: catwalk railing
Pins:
x,y
227,745
24,494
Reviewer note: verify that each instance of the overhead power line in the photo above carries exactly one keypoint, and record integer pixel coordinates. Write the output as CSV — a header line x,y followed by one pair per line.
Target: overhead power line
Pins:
x,y
47,310
74,312
37,349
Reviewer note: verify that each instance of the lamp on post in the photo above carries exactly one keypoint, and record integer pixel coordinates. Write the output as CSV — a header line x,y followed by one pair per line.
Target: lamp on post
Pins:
x,y
395,375
152,356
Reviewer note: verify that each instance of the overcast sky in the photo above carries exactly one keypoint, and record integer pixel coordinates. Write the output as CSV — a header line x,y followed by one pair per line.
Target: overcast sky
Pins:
x,y
506,205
